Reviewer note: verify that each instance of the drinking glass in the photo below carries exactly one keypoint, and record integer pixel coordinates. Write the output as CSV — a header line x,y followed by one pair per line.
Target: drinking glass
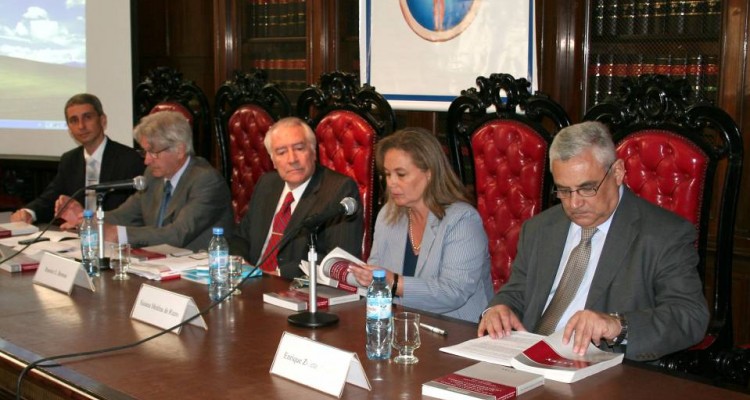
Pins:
x,y
119,260
235,272
406,337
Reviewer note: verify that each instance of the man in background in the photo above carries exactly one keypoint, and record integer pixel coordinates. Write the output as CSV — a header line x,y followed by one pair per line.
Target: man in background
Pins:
x,y
297,189
98,159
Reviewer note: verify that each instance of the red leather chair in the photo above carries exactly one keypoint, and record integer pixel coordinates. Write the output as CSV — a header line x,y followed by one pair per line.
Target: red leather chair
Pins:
x,y
502,154
685,157
164,89
246,107
348,120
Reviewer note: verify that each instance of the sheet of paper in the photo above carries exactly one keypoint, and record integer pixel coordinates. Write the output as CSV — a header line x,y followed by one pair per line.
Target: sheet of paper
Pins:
x,y
496,351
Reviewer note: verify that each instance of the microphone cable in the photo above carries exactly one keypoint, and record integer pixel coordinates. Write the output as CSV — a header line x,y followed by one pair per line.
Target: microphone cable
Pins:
x,y
42,361
46,228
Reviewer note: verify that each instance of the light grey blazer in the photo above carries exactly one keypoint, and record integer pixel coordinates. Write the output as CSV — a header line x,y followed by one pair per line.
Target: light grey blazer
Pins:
x,y
453,269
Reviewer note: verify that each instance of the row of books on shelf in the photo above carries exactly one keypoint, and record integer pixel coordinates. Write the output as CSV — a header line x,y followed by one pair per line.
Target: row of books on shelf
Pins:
x,y
652,17
299,64
606,72
275,18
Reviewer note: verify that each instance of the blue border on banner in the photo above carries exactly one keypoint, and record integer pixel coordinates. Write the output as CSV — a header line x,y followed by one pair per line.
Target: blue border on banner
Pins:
x,y
435,98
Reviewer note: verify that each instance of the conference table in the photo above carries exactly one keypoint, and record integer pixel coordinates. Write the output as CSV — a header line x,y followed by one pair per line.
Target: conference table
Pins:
x,y
232,358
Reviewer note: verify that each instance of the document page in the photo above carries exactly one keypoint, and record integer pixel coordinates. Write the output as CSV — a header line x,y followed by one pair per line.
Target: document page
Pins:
x,y
496,351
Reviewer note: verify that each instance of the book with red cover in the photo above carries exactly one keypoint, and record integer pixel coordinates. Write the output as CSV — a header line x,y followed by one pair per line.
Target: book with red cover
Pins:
x,y
9,229
482,381
142,254
557,362
292,299
19,263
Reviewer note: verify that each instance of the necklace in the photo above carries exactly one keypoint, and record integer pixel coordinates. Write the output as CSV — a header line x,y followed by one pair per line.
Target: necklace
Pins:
x,y
414,247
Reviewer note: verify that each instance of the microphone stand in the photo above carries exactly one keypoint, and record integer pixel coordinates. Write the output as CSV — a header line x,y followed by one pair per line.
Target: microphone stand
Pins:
x,y
103,260
312,318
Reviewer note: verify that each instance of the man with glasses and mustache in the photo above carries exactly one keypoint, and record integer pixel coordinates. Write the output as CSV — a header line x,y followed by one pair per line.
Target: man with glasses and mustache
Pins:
x,y
184,197
604,266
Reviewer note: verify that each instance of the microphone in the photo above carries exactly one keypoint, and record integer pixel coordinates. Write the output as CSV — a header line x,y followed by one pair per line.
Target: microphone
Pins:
x,y
137,183
347,206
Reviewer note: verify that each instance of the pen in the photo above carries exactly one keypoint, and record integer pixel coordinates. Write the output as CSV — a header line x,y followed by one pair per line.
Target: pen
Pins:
x,y
433,329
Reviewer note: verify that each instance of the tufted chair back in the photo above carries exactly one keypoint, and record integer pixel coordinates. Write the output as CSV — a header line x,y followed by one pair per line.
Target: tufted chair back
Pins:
x,y
503,156
687,158
348,120
164,89
246,107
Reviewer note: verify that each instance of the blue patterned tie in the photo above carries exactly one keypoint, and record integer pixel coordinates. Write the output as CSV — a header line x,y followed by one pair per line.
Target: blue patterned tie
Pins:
x,y
164,202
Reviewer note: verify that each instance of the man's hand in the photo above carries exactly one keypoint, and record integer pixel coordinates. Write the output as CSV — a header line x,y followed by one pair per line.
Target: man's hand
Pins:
x,y
72,214
590,326
499,321
21,216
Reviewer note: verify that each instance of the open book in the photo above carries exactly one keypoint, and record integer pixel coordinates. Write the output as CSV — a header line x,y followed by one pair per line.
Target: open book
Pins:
x,y
537,354
557,362
333,271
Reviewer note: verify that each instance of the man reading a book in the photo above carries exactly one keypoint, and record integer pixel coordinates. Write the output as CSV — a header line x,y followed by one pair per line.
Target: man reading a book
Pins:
x,y
271,234
604,266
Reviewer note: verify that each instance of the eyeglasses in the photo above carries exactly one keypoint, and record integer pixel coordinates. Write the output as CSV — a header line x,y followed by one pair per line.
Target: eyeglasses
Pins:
x,y
153,154
584,191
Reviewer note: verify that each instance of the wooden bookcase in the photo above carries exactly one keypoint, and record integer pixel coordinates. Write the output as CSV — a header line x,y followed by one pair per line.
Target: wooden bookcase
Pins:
x,y
627,38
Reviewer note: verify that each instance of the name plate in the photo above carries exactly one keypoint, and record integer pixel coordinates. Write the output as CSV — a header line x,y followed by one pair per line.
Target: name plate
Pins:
x,y
165,309
61,274
317,365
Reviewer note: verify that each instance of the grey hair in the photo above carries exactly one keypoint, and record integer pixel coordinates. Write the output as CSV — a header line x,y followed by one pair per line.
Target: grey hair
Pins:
x,y
165,129
290,122
575,139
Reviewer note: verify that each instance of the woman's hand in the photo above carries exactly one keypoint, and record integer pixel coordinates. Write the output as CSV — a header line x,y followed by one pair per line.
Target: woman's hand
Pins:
x,y
363,273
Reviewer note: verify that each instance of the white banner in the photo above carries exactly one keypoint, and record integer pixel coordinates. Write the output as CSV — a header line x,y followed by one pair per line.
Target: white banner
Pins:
x,y
420,54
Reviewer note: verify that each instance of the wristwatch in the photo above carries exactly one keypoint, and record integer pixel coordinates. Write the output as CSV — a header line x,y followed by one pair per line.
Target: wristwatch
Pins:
x,y
623,331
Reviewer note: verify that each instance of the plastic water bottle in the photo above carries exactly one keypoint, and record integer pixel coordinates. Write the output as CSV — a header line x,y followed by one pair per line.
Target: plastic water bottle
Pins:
x,y
218,265
379,323
89,236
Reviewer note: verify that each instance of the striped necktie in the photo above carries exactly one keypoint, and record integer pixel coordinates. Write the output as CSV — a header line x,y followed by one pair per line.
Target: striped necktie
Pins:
x,y
569,283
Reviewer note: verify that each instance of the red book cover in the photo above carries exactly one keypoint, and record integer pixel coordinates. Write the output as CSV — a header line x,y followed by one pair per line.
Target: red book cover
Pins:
x,y
480,386
483,381
4,233
144,254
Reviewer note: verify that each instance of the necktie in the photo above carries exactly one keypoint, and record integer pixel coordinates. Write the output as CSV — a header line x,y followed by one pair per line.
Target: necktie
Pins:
x,y
164,202
92,178
280,221
569,283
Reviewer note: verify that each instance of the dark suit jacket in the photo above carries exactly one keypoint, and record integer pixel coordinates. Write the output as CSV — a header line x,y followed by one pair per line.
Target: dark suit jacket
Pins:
x,y
119,162
647,271
325,187
200,201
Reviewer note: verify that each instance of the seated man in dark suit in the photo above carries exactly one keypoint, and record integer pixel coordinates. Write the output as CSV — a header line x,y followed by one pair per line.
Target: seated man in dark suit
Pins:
x,y
184,197
637,287
297,189
99,157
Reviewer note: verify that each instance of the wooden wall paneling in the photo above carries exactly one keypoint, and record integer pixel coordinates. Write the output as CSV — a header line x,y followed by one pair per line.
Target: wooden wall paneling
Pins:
x,y
560,28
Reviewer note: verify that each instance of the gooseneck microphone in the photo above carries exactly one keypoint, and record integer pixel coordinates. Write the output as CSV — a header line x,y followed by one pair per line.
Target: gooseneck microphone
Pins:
x,y
137,183
347,206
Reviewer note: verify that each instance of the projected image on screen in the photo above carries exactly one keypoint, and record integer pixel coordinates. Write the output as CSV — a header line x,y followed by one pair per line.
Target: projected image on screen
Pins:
x,y
42,61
